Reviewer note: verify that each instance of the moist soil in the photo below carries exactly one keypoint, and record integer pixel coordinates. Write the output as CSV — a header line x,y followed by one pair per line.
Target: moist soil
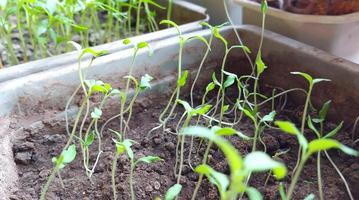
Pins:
x,y
34,147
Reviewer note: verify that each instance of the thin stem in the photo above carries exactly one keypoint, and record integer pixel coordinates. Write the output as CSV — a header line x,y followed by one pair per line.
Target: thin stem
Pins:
x,y
320,183
295,178
341,175
131,180
113,174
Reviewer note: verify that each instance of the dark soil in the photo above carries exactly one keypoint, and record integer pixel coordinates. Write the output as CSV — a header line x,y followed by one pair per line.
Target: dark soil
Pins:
x,y
34,147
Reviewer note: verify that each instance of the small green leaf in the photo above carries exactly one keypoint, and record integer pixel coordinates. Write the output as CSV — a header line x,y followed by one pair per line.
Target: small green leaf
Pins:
x,y
334,131
305,75
142,45
210,87
269,117
126,41
201,110
326,144
93,52
173,192
264,6
171,23
324,110
96,114
310,197
260,64
260,162
150,159
225,108
318,80
186,106
217,34
69,154
288,127
226,131
253,193
215,81
229,81
89,139
128,143
218,179
247,113
183,79
145,82
115,91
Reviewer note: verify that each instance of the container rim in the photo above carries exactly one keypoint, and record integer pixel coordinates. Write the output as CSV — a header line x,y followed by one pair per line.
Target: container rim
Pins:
x,y
323,19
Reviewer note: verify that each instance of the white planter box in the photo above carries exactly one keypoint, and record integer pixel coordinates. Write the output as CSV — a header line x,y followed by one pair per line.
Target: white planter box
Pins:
x,y
338,35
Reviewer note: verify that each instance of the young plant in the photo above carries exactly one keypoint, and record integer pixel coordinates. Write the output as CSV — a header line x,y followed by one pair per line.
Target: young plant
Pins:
x,y
65,158
230,188
308,149
181,76
125,146
312,124
311,82
138,87
82,112
190,113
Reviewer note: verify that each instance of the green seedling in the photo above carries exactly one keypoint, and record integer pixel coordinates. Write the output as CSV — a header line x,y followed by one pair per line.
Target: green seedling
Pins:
x,y
308,149
122,147
42,24
138,87
190,113
312,124
181,76
65,158
230,188
311,82
89,87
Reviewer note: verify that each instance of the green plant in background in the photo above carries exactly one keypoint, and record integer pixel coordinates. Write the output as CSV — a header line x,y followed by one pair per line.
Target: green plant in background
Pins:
x,y
44,26
308,149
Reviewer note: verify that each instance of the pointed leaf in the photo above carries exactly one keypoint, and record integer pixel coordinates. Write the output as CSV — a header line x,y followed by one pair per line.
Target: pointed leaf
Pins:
x,y
173,192
96,114
150,159
260,162
334,131
269,117
145,82
218,179
253,193
69,154
305,75
326,144
183,79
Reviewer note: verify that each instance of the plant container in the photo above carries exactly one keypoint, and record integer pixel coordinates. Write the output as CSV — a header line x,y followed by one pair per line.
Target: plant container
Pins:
x,y
187,15
337,35
32,107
